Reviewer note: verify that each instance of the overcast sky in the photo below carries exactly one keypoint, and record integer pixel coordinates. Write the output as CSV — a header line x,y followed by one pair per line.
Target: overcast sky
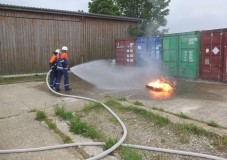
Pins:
x,y
185,15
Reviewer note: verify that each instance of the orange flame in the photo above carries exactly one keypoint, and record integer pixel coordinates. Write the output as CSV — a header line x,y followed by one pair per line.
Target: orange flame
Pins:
x,y
158,85
161,88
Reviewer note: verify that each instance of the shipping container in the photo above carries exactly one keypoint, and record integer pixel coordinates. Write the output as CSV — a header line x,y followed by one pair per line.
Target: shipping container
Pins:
x,y
181,54
148,51
225,59
189,52
125,51
170,55
213,58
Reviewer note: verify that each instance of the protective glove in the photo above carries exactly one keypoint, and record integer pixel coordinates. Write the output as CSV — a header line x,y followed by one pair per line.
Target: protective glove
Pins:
x,y
64,65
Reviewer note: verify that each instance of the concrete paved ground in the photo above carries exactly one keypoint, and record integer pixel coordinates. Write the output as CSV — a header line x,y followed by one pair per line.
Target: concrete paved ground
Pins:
x,y
19,98
201,100
24,132
18,129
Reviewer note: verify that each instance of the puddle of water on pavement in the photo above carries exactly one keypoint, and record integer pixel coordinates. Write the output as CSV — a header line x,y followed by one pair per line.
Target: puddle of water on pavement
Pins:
x,y
183,89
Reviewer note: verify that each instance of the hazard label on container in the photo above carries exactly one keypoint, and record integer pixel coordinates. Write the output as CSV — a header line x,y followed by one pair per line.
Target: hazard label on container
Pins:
x,y
215,50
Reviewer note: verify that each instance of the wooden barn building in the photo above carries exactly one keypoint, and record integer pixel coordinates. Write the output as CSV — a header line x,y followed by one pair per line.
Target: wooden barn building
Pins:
x,y
30,35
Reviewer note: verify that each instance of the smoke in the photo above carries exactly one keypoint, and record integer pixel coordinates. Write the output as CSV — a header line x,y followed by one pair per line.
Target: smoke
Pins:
x,y
105,74
156,24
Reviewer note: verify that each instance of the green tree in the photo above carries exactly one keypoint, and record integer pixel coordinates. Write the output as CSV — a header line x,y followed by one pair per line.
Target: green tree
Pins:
x,y
152,11
108,7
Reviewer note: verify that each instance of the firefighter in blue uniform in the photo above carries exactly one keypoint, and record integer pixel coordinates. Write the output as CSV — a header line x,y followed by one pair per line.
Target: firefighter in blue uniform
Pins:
x,y
62,68
53,67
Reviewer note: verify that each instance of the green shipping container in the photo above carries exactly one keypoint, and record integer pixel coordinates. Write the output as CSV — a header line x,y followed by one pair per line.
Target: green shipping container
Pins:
x,y
181,55
170,55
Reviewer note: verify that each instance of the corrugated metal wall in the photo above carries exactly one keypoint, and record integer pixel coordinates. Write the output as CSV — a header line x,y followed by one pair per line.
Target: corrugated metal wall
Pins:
x,y
27,39
213,57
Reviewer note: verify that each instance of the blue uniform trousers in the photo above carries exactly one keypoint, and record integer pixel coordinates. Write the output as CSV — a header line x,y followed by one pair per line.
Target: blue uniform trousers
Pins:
x,y
66,79
53,77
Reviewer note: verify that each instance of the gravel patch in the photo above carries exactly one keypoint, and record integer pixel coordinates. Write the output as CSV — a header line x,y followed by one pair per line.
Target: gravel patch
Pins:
x,y
144,132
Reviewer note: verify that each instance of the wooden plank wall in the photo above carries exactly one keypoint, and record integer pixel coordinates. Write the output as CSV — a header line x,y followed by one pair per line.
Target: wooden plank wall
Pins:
x,y
28,39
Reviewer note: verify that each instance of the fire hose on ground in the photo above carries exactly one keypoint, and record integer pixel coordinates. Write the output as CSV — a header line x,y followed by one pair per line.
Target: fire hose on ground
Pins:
x,y
114,147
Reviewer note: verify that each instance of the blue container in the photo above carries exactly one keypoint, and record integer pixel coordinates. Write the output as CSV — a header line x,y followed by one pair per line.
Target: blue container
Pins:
x,y
148,51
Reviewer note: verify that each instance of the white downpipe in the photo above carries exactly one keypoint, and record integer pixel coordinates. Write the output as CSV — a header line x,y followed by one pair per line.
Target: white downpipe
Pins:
x,y
105,153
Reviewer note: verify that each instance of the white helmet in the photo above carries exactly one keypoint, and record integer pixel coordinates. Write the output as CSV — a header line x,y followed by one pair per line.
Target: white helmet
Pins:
x,y
57,51
64,48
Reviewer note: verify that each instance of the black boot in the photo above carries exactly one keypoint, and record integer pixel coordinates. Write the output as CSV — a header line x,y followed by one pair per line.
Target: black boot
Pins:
x,y
68,89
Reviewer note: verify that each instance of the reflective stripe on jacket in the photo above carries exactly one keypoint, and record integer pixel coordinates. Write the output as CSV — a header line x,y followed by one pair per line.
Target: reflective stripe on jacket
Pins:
x,y
62,61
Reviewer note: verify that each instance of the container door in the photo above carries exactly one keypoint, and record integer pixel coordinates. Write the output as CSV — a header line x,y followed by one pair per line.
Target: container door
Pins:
x,y
151,53
211,65
130,54
125,51
138,50
225,58
188,56
120,51
158,48
148,51
156,52
142,49
170,55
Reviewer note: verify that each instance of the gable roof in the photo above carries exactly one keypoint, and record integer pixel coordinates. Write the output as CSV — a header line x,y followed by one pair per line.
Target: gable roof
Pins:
x,y
64,12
